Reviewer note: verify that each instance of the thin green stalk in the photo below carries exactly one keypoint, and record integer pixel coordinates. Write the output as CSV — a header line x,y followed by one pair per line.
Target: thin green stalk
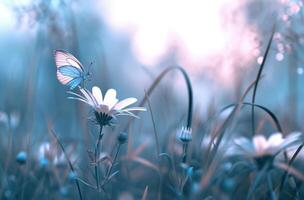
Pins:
x,y
111,167
184,160
157,146
185,149
257,180
266,110
289,164
69,162
154,128
258,79
269,182
219,134
157,81
190,97
114,160
96,155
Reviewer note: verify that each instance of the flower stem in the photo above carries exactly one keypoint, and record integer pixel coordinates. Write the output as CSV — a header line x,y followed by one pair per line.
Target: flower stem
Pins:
x,y
271,191
258,79
97,155
156,83
69,162
185,149
114,160
190,97
113,163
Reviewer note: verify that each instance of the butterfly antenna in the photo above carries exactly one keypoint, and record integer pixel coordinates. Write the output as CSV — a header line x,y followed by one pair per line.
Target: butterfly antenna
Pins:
x,y
90,69
90,66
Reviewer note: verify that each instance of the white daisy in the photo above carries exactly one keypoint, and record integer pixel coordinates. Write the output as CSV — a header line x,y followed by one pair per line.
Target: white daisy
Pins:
x,y
107,107
264,150
260,146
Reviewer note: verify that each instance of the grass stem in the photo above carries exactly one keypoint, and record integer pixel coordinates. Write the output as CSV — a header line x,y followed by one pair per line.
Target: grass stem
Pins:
x,y
69,162
96,154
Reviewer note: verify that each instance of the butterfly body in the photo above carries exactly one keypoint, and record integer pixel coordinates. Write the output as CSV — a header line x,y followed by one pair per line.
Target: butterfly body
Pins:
x,y
70,71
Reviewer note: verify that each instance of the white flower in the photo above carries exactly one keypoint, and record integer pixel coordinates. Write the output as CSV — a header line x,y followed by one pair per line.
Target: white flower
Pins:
x,y
260,146
106,107
49,154
185,134
44,150
10,119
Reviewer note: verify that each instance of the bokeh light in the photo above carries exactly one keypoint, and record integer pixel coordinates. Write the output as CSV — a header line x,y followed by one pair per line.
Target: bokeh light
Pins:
x,y
197,33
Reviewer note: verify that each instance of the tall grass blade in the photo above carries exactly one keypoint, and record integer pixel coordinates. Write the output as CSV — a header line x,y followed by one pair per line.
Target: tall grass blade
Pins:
x,y
145,194
69,161
155,84
266,110
154,127
258,79
282,183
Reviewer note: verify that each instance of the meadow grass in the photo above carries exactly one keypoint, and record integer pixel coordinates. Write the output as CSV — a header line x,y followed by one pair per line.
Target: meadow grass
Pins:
x,y
205,172
231,153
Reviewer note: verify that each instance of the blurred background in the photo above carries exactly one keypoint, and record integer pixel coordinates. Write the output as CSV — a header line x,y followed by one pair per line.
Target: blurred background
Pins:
x,y
219,43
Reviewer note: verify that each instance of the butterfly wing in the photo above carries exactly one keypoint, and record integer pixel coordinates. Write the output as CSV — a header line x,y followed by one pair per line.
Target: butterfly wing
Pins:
x,y
63,58
69,70
74,82
63,79
66,75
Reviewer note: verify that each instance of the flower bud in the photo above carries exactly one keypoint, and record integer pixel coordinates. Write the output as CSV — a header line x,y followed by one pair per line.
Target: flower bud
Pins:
x,y
185,135
72,176
122,137
21,157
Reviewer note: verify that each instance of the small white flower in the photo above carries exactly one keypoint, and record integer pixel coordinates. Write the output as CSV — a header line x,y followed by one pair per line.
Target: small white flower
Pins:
x,y
44,150
11,119
49,154
185,134
260,146
106,107
4,117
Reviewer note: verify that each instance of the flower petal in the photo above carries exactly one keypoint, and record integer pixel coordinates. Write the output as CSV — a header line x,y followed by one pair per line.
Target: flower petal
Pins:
x,y
275,140
124,103
135,109
89,97
110,98
80,99
260,144
294,138
127,114
97,94
244,146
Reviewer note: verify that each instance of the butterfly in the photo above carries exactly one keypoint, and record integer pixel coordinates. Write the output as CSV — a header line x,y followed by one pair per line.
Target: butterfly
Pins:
x,y
70,71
